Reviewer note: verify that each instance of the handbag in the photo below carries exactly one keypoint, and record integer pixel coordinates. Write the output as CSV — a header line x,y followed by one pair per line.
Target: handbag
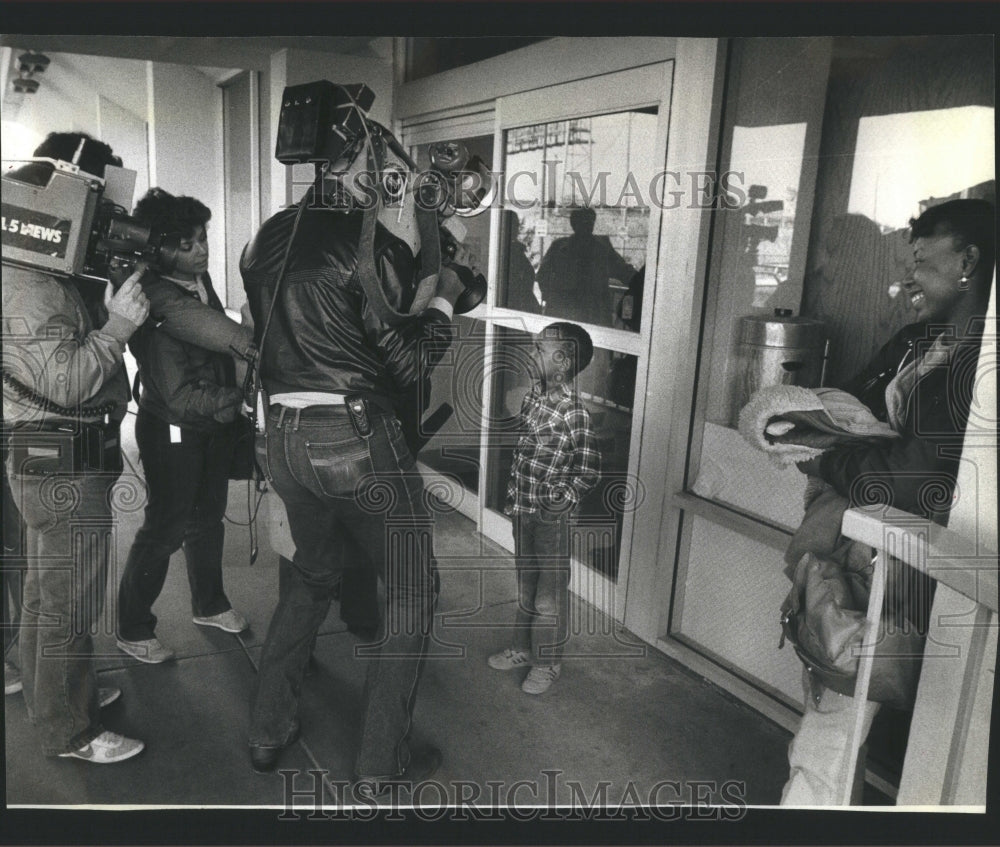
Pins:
x,y
824,618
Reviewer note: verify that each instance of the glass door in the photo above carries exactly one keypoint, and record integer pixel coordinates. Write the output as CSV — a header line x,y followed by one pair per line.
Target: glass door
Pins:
x,y
578,224
451,401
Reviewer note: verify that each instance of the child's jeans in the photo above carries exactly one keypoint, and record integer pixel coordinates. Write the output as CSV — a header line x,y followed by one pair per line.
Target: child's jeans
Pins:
x,y
541,549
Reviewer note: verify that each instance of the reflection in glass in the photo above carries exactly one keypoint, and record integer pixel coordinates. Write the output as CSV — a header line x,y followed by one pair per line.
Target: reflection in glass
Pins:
x,y
757,248
598,531
902,164
771,181
898,161
475,247
578,199
451,441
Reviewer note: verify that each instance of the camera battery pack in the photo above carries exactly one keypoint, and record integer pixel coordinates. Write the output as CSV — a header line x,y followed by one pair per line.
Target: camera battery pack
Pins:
x,y
67,450
320,120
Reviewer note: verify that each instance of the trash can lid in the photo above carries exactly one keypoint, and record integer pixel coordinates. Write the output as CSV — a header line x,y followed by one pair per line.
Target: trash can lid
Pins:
x,y
782,329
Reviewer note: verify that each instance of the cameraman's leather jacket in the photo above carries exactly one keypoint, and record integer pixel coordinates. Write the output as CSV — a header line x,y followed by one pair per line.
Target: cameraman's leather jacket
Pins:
x,y
185,354
324,335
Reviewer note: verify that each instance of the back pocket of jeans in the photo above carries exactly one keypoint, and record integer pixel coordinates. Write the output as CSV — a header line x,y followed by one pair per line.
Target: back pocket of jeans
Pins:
x,y
339,466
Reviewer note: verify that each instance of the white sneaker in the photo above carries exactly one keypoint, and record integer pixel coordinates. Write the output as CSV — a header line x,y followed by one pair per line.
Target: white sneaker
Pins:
x,y
228,621
11,678
539,679
107,748
507,660
107,696
149,651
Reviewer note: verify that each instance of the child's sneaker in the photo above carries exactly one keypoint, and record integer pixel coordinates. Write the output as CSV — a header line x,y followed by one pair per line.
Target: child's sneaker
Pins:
x,y
106,749
11,678
509,659
539,678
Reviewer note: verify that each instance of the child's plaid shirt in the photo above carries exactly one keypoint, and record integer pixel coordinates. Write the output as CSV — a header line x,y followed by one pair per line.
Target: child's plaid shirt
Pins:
x,y
556,461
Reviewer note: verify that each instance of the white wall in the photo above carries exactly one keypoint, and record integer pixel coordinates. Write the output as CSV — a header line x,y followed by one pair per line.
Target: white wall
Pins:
x,y
185,145
68,99
176,106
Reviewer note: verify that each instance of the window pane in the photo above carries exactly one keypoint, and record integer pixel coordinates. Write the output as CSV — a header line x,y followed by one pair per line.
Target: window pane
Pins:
x,y
452,440
453,446
575,229
606,388
903,163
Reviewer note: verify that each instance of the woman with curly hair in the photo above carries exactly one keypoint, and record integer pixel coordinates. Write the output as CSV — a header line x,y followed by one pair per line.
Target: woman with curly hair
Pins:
x,y
186,430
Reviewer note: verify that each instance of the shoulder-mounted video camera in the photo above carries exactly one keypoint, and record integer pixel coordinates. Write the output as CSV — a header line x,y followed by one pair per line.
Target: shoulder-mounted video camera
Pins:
x,y
327,125
64,221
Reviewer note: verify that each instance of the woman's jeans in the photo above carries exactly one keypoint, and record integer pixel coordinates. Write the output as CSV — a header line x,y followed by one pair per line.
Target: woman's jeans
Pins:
x,y
541,556
187,485
14,566
337,484
69,538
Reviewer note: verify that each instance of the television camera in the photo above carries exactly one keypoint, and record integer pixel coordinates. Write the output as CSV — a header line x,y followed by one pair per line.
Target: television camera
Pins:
x,y
327,125
61,220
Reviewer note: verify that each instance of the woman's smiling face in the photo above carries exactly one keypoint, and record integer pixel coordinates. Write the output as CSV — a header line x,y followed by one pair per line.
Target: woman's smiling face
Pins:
x,y
933,288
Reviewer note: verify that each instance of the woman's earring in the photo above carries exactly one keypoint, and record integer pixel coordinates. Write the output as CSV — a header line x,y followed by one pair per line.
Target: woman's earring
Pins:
x,y
963,283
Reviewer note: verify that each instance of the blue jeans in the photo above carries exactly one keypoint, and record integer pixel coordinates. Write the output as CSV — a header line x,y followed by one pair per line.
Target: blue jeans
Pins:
x,y
541,557
336,484
13,566
187,485
69,536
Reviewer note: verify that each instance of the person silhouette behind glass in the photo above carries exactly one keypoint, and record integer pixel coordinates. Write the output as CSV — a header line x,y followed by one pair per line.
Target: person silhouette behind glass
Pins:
x,y
574,273
520,273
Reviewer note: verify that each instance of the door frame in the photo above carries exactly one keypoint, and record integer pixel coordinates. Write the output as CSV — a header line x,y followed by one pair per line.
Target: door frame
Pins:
x,y
617,91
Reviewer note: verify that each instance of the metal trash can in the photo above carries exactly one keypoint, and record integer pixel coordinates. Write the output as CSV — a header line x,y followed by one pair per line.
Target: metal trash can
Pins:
x,y
779,349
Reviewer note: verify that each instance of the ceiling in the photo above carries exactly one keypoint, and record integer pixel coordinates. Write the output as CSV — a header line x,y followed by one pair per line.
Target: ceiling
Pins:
x,y
214,56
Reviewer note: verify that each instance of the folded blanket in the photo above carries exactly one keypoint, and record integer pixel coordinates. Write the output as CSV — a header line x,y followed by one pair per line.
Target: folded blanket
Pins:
x,y
794,424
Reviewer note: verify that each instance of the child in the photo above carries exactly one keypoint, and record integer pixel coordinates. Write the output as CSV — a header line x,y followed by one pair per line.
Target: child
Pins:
x,y
555,464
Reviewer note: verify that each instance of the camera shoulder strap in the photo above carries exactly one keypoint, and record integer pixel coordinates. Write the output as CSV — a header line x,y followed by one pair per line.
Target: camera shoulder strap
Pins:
x,y
252,381
430,254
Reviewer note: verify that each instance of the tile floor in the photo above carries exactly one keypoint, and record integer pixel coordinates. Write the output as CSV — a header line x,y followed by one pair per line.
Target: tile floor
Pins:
x,y
622,714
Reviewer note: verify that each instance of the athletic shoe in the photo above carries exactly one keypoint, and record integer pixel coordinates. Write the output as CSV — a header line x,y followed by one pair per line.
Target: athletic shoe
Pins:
x,y
149,651
539,679
11,678
107,696
106,749
228,621
509,659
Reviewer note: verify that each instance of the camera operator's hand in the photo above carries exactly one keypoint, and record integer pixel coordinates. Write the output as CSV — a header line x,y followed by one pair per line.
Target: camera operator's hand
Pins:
x,y
464,256
449,286
246,316
129,301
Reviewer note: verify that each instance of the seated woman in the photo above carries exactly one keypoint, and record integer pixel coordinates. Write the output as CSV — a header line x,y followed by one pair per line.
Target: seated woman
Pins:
x,y
185,430
919,382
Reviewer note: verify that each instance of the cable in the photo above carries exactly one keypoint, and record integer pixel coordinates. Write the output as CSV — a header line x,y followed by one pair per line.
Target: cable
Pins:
x,y
251,515
44,404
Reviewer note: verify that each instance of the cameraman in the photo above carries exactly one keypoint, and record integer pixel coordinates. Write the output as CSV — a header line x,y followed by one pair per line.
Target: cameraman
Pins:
x,y
336,455
64,389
